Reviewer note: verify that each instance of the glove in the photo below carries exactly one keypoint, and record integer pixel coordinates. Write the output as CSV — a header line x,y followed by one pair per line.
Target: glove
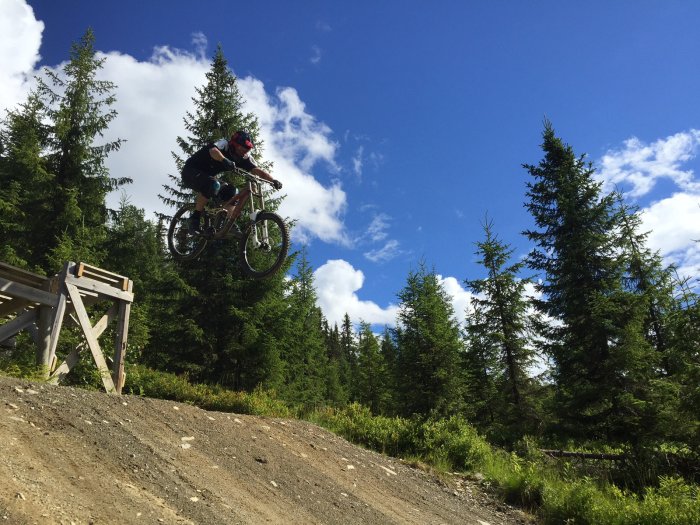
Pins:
x,y
277,184
229,163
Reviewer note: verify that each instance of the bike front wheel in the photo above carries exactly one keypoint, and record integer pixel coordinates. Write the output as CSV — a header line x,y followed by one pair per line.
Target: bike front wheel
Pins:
x,y
183,245
264,245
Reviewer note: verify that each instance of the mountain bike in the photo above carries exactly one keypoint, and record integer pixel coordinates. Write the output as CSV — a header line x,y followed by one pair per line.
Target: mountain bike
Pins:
x,y
263,240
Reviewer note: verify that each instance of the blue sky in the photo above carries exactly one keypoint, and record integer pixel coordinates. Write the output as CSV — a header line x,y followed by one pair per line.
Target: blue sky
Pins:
x,y
397,125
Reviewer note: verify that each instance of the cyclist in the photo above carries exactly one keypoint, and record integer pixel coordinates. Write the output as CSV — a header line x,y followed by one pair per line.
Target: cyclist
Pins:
x,y
201,170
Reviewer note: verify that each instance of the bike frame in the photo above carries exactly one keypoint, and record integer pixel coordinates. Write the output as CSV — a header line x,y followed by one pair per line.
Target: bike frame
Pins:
x,y
250,193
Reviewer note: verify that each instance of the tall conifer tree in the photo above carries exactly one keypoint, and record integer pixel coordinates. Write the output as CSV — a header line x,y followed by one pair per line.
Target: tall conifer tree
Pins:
x,y
603,364
372,371
430,347
499,333
226,328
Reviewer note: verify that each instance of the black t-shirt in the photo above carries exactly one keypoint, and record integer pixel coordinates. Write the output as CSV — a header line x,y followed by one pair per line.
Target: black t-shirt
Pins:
x,y
203,162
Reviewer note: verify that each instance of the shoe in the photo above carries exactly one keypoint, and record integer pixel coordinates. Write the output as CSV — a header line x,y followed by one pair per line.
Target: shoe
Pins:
x,y
193,225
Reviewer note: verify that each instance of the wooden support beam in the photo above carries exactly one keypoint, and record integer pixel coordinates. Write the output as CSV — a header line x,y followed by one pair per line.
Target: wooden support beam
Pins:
x,y
47,354
23,291
21,276
17,324
71,359
86,283
12,305
118,375
92,342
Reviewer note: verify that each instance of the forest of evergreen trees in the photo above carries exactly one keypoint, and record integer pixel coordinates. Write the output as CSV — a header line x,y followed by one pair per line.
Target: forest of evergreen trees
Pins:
x,y
618,331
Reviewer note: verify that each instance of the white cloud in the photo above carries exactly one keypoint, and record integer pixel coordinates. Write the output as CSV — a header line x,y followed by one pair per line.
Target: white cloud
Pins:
x,y
336,285
385,253
673,221
460,297
378,226
20,39
642,165
357,161
673,224
315,55
295,142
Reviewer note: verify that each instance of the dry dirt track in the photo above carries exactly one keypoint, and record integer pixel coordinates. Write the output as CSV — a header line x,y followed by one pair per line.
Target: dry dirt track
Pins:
x,y
73,456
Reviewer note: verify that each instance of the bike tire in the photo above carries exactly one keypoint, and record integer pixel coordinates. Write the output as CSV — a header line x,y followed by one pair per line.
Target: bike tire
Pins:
x,y
260,260
182,245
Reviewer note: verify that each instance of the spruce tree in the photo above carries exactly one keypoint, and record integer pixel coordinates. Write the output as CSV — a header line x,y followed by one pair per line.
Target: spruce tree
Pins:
x,y
229,330
430,348
500,335
338,385
372,371
603,365
390,354
303,349
348,346
78,107
25,185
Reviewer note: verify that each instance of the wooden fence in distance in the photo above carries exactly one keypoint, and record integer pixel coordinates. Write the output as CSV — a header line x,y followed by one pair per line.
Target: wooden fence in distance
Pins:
x,y
40,305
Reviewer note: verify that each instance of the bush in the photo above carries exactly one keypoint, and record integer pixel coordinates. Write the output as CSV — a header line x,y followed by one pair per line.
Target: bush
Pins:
x,y
162,385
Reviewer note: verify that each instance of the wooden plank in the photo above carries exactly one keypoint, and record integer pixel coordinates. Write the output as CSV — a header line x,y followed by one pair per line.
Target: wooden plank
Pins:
x,y
89,284
71,359
47,354
92,342
21,276
98,274
11,306
120,345
23,291
17,324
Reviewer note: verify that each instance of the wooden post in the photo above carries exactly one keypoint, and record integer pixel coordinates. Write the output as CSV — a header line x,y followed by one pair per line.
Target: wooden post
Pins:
x,y
48,353
120,346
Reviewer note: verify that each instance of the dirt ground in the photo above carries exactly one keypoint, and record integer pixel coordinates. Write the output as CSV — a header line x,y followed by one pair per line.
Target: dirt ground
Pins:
x,y
74,456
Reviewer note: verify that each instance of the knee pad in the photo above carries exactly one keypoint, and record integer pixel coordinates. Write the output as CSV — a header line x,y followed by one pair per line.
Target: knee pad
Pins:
x,y
210,187
227,192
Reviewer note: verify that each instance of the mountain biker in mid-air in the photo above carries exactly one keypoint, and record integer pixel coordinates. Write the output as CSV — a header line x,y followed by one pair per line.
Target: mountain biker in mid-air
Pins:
x,y
200,171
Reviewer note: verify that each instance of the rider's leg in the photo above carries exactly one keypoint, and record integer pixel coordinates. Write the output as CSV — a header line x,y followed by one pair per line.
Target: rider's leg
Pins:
x,y
200,203
194,223
234,206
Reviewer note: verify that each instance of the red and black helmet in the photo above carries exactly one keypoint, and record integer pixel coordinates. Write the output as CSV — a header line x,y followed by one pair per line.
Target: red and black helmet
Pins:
x,y
242,138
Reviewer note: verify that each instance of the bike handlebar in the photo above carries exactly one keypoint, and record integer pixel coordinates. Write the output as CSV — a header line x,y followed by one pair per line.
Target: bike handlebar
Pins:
x,y
250,177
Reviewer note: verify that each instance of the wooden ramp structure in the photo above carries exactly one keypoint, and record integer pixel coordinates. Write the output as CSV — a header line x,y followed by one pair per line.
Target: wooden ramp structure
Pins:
x,y
40,305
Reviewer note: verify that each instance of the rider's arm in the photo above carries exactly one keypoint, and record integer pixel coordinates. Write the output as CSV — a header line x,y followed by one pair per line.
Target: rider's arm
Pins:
x,y
262,173
216,154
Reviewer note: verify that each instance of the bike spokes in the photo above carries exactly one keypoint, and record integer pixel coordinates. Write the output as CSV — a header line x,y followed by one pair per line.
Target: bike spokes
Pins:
x,y
264,245
183,245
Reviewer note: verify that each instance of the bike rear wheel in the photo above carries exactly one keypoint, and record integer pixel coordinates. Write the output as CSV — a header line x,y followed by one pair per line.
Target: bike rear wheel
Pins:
x,y
183,245
264,245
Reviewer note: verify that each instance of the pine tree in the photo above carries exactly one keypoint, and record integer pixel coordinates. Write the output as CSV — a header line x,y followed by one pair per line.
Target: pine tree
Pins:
x,y
134,249
499,335
303,354
647,276
338,385
348,346
482,368
78,109
430,348
372,371
390,354
229,330
25,185
602,363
